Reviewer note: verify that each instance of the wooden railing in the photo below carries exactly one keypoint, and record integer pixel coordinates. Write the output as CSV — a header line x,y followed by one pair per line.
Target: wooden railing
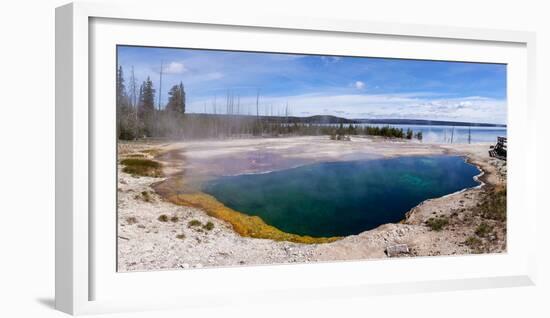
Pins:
x,y
500,149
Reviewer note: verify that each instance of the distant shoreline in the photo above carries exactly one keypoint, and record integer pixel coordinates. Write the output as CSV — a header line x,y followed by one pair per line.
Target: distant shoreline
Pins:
x,y
335,120
423,122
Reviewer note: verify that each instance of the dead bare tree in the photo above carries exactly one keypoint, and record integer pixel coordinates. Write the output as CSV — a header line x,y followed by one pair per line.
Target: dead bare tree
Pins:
x,y
160,83
452,134
156,114
258,122
214,106
133,101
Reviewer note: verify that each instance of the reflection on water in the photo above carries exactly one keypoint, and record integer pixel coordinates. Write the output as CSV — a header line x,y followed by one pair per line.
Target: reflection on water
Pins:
x,y
454,134
449,134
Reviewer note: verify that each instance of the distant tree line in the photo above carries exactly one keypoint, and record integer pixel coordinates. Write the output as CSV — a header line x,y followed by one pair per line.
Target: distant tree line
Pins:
x,y
392,132
138,117
385,131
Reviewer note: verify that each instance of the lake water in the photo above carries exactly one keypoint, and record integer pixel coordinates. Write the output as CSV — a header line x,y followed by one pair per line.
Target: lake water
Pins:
x,y
456,134
343,198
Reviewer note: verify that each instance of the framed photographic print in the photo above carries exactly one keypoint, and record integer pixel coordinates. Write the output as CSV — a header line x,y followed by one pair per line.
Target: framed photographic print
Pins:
x,y
261,156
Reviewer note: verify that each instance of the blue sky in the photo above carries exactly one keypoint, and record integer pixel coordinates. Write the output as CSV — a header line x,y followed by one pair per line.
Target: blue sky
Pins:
x,y
351,87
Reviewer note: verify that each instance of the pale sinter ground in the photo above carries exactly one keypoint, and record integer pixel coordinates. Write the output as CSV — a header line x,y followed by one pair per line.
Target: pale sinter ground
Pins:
x,y
147,243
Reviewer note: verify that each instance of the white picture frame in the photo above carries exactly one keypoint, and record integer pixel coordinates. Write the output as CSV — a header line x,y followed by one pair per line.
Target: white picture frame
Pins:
x,y
83,286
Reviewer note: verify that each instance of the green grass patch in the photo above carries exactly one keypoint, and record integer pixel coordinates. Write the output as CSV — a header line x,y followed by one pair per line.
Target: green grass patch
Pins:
x,y
208,226
142,167
145,196
180,236
135,155
437,223
483,229
474,244
193,223
493,206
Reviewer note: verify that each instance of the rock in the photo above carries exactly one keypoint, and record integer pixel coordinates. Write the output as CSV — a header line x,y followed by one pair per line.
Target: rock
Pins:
x,y
184,266
396,250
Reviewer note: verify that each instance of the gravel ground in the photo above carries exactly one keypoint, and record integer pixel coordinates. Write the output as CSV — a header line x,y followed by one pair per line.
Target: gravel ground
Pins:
x,y
155,234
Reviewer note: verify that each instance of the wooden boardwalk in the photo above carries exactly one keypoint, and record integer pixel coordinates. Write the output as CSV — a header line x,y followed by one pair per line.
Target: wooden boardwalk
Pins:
x,y
499,150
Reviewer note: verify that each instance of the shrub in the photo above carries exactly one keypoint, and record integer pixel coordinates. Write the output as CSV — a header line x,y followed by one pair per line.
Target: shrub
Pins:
x,y
180,236
194,223
208,226
493,205
474,243
483,229
163,218
437,223
131,220
409,134
146,196
174,218
142,167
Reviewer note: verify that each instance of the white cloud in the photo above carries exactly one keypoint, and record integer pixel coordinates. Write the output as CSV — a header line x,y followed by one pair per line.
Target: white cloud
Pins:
x,y
409,105
359,85
174,68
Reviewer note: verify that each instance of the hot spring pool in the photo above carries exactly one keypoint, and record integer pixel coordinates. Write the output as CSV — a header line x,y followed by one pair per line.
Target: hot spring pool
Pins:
x,y
343,198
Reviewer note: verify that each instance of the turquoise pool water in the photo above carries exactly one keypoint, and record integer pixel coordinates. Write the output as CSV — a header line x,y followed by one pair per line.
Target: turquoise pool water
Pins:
x,y
343,198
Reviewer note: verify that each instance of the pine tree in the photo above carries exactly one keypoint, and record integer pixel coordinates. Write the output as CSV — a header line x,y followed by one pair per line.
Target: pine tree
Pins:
x,y
409,133
123,108
119,92
120,88
182,90
176,99
133,102
146,106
